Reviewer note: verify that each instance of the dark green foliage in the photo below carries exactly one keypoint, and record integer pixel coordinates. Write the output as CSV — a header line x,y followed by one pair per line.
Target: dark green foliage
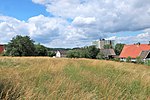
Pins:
x,y
147,62
92,51
20,46
59,49
139,60
117,59
86,52
100,56
24,46
51,53
40,50
128,59
108,46
118,48
74,54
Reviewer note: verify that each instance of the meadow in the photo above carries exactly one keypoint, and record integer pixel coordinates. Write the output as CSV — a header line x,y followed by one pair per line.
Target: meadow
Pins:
x,y
44,78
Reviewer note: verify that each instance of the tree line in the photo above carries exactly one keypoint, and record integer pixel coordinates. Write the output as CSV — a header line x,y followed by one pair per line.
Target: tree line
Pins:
x,y
93,52
85,52
25,46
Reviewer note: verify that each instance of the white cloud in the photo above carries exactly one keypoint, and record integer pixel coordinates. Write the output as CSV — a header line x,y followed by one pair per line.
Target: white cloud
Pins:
x,y
143,38
93,19
10,27
144,35
45,29
111,15
79,22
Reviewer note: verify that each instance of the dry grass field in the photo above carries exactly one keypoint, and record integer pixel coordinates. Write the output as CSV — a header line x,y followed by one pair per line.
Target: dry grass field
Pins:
x,y
43,78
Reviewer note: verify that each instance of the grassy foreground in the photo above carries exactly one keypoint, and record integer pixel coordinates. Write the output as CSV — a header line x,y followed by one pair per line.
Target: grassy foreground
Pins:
x,y
39,78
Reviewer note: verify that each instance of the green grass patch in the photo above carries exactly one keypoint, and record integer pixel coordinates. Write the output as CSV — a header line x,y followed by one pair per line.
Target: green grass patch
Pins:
x,y
116,82
72,79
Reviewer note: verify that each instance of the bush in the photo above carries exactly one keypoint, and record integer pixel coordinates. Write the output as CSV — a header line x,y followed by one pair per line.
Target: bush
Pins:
x,y
40,50
86,52
108,46
128,59
139,60
51,53
100,56
73,54
1,54
118,48
117,59
147,62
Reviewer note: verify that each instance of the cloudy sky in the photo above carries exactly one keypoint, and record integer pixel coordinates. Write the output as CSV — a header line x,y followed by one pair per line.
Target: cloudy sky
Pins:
x,y
72,23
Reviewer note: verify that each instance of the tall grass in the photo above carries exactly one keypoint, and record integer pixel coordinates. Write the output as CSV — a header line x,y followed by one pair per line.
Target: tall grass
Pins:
x,y
147,62
39,78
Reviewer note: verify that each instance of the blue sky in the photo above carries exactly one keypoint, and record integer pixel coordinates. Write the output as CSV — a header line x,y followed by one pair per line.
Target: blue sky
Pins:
x,y
22,9
71,23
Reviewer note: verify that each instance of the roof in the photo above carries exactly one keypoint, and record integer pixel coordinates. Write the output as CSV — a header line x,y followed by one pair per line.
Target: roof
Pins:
x,y
63,52
134,50
108,52
144,54
1,48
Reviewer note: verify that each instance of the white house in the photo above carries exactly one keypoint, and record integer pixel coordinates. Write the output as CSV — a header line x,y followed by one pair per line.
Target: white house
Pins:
x,y
58,55
61,53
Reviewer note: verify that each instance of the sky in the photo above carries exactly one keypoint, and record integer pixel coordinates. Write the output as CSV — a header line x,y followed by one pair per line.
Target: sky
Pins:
x,y
74,23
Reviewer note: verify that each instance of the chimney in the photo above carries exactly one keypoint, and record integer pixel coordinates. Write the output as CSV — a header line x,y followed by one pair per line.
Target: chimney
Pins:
x,y
138,43
149,43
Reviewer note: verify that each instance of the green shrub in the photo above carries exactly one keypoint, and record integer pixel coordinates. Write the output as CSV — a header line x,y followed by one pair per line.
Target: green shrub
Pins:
x,y
117,59
147,62
51,53
128,59
100,56
139,60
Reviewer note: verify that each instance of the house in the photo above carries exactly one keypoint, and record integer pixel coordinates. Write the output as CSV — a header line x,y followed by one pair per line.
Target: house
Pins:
x,y
134,51
61,53
102,42
2,48
145,55
108,53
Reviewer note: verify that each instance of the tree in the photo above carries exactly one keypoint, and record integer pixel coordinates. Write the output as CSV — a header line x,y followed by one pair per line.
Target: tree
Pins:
x,y
20,46
70,54
139,60
100,56
108,46
74,54
147,62
40,50
118,48
86,52
128,59
92,52
51,53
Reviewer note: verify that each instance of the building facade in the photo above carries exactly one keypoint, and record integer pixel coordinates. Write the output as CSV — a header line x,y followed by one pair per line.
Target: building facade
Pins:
x,y
102,42
2,48
61,53
134,51
108,53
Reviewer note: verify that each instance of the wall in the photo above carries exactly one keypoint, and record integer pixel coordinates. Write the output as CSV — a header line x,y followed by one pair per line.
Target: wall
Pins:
x,y
1,48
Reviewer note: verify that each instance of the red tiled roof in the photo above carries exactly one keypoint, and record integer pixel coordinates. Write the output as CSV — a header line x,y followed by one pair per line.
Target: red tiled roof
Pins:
x,y
1,48
133,50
